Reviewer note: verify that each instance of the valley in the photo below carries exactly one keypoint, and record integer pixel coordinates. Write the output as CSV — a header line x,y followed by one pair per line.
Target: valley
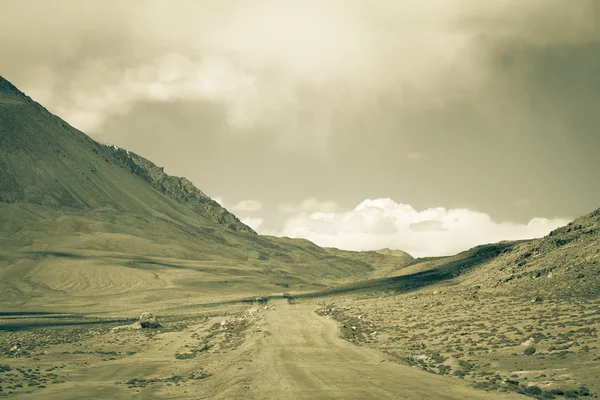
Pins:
x,y
92,236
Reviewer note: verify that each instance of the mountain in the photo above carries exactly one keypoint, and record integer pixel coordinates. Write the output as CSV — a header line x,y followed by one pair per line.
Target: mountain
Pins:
x,y
565,262
179,189
45,161
82,218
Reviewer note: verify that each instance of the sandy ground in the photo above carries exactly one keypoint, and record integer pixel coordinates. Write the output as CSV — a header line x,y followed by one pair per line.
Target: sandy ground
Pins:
x,y
277,351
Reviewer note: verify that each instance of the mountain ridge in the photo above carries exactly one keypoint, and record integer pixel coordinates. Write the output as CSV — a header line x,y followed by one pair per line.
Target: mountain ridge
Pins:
x,y
45,161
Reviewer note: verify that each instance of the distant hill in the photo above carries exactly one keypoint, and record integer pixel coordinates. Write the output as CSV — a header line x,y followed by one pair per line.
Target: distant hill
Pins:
x,y
565,263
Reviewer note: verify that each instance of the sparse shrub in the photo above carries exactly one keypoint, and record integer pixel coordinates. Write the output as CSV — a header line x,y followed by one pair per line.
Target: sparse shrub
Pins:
x,y
533,390
584,391
529,351
460,374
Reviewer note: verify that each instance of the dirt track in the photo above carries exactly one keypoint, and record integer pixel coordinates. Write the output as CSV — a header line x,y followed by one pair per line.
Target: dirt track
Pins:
x,y
300,356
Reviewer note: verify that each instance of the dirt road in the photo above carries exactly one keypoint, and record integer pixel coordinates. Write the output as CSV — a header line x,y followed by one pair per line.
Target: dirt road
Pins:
x,y
298,355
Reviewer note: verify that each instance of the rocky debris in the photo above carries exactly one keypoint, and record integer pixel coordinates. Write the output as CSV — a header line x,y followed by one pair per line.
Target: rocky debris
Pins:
x,y
125,327
529,342
175,379
178,188
148,321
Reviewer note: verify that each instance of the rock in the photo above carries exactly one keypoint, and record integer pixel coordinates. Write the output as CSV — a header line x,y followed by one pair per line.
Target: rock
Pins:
x,y
148,321
528,342
536,299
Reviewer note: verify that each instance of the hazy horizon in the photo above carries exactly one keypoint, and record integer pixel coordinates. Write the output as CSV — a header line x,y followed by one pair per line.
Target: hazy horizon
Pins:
x,y
426,127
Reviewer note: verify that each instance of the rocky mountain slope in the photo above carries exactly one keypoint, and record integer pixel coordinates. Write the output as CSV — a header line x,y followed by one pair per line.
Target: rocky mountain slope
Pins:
x,y
45,161
178,188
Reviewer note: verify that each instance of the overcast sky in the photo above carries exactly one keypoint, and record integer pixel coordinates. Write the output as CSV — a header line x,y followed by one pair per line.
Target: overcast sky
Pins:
x,y
426,126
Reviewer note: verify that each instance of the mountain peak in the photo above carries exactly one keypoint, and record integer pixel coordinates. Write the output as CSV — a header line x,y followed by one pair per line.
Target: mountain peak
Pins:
x,y
7,87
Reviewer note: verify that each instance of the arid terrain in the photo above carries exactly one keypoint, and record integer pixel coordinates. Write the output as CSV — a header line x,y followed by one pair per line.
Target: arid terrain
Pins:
x,y
92,236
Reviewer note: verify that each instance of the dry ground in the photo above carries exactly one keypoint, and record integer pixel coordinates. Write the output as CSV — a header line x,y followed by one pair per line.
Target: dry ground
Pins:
x,y
256,351
542,346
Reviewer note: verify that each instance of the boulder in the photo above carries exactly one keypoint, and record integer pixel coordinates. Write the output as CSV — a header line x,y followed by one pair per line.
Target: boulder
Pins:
x,y
148,321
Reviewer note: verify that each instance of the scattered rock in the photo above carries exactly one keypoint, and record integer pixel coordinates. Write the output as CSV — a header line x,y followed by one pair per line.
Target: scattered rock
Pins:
x,y
536,299
148,321
528,342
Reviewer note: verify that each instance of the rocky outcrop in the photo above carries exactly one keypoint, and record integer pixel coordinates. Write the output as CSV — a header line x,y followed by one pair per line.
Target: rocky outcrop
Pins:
x,y
148,321
178,188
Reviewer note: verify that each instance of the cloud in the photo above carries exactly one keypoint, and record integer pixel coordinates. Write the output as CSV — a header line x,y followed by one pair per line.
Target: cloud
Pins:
x,y
247,206
252,222
415,155
310,204
292,67
383,223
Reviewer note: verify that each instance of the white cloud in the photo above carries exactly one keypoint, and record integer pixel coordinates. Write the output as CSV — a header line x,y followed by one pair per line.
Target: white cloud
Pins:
x,y
309,205
268,63
381,223
247,206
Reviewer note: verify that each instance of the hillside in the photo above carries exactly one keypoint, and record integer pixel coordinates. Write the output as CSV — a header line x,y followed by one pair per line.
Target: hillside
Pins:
x,y
510,317
81,218
45,161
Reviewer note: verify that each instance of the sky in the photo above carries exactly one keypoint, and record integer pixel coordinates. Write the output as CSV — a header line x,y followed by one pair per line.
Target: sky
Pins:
x,y
425,126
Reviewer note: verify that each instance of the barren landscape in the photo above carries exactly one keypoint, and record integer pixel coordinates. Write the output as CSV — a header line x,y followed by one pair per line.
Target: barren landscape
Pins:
x,y
120,281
